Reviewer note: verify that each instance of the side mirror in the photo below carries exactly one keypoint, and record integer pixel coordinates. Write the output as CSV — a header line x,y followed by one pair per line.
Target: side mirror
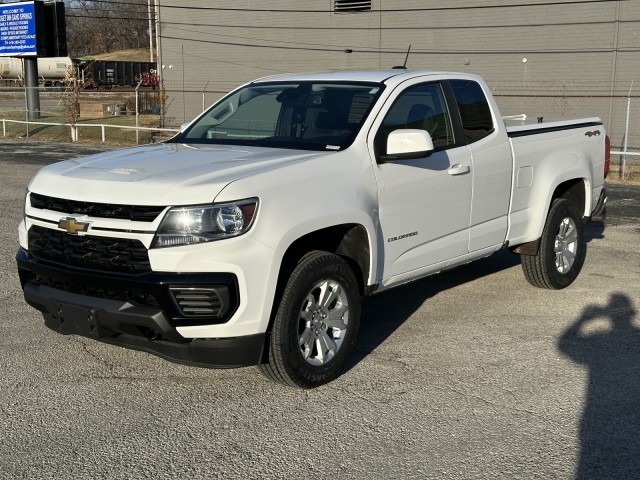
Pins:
x,y
408,143
184,126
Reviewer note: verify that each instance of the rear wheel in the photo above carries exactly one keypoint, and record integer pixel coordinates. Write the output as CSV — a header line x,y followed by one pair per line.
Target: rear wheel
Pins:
x,y
316,324
562,250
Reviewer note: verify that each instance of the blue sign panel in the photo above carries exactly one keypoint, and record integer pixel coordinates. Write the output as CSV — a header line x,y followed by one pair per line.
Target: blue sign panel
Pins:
x,y
17,29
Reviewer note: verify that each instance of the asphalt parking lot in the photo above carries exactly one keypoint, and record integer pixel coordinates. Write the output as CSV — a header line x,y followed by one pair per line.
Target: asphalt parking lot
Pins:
x,y
471,374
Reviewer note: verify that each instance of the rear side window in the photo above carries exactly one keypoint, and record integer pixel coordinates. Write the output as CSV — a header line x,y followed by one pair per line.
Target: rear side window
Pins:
x,y
474,110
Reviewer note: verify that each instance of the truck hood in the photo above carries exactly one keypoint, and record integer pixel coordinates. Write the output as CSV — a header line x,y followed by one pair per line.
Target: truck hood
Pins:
x,y
160,174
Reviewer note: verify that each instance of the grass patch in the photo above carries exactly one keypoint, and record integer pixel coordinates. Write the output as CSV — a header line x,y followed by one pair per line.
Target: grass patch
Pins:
x,y
631,174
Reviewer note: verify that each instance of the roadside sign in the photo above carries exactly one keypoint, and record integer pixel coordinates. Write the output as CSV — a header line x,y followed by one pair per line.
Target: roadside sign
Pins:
x,y
18,29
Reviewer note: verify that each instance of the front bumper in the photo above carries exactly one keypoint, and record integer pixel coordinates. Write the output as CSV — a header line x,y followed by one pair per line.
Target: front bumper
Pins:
x,y
134,311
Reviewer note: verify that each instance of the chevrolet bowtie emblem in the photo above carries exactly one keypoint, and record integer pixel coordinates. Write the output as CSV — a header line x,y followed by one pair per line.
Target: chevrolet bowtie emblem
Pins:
x,y
73,226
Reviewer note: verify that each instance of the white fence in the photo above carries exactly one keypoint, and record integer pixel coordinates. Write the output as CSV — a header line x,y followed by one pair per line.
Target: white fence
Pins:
x,y
74,129
619,111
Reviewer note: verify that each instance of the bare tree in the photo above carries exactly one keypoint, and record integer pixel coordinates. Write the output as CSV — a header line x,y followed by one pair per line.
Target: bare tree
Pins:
x,y
102,26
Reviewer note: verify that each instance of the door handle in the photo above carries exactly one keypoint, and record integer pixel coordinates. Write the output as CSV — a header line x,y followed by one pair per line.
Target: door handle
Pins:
x,y
458,169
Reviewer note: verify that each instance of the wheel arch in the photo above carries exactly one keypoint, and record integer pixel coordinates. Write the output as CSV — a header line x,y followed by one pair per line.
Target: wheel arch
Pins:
x,y
350,241
573,190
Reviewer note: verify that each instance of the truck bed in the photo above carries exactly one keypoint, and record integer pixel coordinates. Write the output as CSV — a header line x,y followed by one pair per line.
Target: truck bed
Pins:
x,y
520,125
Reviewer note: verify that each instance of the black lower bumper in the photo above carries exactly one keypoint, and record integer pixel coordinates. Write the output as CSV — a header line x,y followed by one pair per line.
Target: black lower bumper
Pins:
x,y
128,324
105,320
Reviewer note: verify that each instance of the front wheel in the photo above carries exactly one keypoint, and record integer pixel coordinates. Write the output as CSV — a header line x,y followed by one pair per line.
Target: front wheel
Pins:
x,y
316,324
562,250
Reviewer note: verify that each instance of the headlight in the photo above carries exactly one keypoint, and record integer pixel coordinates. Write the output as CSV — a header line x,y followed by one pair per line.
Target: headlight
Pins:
x,y
205,223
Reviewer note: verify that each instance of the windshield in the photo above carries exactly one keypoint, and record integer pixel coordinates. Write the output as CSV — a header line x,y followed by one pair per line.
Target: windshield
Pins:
x,y
302,115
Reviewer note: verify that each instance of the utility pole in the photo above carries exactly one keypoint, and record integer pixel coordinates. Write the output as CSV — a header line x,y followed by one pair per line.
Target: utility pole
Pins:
x,y
156,7
150,32
159,66
31,87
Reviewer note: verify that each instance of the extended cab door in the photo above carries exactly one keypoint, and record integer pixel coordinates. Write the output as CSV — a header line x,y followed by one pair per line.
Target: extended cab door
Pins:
x,y
425,203
492,163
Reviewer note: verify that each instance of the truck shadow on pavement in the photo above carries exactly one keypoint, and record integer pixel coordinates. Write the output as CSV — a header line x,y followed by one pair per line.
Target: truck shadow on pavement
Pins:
x,y
605,340
383,314
594,230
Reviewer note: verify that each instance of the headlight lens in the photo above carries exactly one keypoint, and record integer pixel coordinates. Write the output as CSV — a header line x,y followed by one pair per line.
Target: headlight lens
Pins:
x,y
205,223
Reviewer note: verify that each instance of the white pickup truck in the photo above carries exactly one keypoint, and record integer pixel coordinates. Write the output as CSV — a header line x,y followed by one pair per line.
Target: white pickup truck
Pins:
x,y
251,236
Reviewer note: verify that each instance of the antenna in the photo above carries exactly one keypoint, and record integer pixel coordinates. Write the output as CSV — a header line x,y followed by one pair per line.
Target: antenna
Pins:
x,y
404,65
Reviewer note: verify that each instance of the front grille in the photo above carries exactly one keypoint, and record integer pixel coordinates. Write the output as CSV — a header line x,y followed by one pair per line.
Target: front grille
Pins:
x,y
139,297
138,213
88,251
201,301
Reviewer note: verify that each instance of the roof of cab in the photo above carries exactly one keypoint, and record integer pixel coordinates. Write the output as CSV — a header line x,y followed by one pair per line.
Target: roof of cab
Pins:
x,y
376,76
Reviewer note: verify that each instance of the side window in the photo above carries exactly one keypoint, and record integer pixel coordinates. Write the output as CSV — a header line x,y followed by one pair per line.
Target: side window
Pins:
x,y
419,107
474,109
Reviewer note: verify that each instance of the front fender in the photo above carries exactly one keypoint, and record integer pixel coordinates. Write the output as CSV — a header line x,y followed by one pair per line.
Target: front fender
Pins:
x,y
333,189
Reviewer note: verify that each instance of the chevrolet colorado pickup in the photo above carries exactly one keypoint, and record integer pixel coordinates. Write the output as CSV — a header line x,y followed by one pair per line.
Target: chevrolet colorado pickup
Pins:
x,y
252,235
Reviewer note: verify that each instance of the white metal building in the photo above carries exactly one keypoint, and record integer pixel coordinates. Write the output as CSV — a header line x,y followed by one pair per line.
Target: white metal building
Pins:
x,y
541,57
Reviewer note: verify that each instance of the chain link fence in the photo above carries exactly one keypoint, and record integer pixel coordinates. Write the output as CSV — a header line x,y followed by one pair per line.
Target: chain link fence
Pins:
x,y
182,106
59,108
617,106
549,101
620,115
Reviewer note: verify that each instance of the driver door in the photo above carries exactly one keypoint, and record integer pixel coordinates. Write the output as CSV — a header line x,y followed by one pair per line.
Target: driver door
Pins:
x,y
425,203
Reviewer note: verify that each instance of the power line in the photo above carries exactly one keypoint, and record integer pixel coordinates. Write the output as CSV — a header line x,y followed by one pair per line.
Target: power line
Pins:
x,y
377,28
144,15
331,47
145,19
108,2
314,46
383,10
355,28
416,52
420,9
213,59
340,47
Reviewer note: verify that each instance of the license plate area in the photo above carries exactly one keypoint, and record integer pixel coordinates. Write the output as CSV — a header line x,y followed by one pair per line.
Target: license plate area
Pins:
x,y
78,320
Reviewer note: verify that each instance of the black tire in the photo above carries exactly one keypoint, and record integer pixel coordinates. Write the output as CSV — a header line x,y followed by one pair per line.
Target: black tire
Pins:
x,y
562,250
302,316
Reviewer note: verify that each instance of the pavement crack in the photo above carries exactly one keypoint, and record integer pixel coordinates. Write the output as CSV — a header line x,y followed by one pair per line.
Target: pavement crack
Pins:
x,y
85,349
496,405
